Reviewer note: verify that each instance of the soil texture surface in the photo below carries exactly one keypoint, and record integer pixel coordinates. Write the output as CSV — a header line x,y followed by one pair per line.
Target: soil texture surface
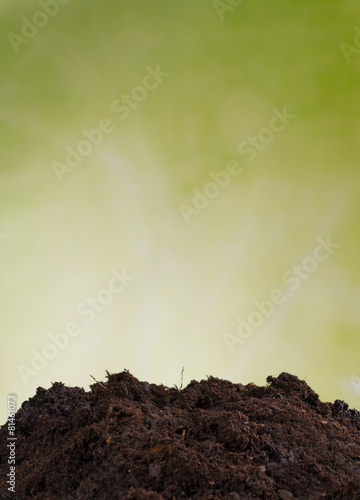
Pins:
x,y
214,439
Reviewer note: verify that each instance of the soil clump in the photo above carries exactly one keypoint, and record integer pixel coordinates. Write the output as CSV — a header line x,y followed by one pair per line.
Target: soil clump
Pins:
x,y
213,440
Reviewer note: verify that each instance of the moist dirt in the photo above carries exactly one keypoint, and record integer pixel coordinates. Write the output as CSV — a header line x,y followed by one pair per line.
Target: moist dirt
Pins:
x,y
214,439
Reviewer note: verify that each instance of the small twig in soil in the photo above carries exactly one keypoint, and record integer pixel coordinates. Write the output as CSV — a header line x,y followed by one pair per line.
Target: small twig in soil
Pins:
x,y
182,373
179,388
102,385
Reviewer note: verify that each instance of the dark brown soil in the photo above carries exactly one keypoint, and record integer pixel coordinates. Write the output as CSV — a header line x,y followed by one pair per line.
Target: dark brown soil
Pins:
x,y
214,439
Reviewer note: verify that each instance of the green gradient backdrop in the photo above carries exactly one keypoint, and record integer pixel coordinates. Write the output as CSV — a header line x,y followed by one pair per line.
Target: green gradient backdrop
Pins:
x,y
120,206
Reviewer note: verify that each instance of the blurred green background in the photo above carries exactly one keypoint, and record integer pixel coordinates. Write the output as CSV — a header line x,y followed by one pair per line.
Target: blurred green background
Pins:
x,y
229,68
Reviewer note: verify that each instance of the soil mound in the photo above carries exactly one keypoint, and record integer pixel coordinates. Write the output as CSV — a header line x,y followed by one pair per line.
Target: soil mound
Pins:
x,y
214,439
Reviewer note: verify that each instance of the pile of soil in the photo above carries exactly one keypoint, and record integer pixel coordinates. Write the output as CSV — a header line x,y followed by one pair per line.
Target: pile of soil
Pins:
x,y
214,439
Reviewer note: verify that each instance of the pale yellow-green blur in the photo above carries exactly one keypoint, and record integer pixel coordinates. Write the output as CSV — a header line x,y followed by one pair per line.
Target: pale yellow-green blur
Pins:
x,y
204,80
